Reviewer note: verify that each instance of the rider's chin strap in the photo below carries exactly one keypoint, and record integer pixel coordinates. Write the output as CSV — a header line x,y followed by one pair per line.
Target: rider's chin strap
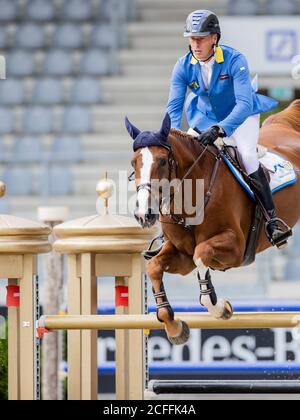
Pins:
x,y
203,61
218,53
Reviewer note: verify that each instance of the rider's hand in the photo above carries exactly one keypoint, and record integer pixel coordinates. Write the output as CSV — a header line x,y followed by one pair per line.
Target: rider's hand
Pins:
x,y
210,136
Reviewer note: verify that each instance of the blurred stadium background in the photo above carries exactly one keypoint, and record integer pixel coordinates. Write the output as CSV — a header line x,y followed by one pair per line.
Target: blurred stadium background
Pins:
x,y
75,68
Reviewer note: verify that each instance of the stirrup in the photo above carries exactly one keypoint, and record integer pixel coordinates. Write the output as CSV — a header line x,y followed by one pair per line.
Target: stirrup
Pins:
x,y
281,239
148,254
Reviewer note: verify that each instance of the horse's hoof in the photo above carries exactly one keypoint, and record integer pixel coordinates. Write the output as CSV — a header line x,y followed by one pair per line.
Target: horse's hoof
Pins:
x,y
182,337
228,311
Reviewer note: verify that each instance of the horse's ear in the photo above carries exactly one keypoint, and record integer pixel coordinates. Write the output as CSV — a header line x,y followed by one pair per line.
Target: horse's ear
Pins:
x,y
166,126
132,130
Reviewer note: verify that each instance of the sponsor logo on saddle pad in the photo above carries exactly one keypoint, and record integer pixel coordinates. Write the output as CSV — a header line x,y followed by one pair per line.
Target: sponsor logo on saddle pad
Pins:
x,y
282,173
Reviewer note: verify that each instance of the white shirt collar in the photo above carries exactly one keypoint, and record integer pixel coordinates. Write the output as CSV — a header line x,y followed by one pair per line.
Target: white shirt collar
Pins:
x,y
208,63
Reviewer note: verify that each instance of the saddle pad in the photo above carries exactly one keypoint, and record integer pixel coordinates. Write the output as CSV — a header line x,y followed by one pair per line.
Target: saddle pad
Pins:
x,y
281,171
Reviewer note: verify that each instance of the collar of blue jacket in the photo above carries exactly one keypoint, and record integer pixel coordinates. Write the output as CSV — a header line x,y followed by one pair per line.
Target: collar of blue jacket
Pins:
x,y
219,57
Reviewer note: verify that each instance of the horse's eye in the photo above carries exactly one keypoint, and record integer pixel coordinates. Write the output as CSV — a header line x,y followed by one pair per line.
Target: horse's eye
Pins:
x,y
133,163
162,162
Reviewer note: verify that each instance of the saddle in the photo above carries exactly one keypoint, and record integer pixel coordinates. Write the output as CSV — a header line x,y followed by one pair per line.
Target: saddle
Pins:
x,y
234,156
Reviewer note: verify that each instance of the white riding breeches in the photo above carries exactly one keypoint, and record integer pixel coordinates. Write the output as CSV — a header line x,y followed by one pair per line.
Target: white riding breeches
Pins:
x,y
245,137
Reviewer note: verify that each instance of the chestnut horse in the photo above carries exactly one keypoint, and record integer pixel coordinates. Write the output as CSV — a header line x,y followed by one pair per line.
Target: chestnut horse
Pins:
x,y
219,242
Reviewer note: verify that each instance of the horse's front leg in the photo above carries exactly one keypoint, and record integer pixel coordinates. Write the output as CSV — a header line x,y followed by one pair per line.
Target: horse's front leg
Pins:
x,y
221,252
219,308
170,260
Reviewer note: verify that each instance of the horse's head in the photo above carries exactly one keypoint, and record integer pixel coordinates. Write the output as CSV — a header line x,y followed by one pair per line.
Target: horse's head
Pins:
x,y
151,162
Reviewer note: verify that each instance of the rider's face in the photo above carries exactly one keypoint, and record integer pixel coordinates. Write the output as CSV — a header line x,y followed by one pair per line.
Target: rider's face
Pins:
x,y
202,46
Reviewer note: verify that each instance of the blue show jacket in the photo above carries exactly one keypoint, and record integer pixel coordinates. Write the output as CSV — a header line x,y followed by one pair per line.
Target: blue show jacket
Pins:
x,y
229,100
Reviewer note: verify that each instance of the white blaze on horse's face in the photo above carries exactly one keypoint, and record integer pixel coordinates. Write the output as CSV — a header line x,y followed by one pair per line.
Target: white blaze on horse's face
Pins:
x,y
143,212
143,195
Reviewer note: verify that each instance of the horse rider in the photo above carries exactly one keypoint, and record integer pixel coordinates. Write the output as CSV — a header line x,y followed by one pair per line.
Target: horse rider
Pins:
x,y
222,102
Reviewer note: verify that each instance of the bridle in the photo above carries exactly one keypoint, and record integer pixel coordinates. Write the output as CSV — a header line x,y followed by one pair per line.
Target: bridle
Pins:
x,y
173,165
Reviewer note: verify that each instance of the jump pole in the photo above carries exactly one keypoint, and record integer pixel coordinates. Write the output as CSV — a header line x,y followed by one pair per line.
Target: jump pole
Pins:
x,y
270,386
240,320
243,320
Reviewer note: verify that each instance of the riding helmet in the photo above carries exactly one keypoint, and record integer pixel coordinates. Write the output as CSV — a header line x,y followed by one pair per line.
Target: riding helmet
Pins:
x,y
202,23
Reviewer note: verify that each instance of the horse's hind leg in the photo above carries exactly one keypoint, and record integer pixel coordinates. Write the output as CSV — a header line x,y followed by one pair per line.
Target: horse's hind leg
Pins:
x,y
172,261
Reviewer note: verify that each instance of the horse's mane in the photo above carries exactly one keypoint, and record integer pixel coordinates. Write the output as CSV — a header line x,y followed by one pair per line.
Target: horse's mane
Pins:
x,y
181,139
180,134
289,116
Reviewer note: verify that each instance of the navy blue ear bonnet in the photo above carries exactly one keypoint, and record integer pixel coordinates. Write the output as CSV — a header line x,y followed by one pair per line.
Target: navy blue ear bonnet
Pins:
x,y
150,138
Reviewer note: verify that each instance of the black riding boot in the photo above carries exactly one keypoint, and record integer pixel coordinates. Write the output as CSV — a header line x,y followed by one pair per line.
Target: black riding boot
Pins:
x,y
261,188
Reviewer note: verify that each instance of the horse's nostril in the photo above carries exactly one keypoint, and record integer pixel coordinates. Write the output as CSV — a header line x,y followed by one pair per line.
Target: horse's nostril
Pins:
x,y
150,215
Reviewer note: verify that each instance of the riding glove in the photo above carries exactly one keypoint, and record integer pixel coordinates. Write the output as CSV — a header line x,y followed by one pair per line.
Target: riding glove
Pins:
x,y
210,136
